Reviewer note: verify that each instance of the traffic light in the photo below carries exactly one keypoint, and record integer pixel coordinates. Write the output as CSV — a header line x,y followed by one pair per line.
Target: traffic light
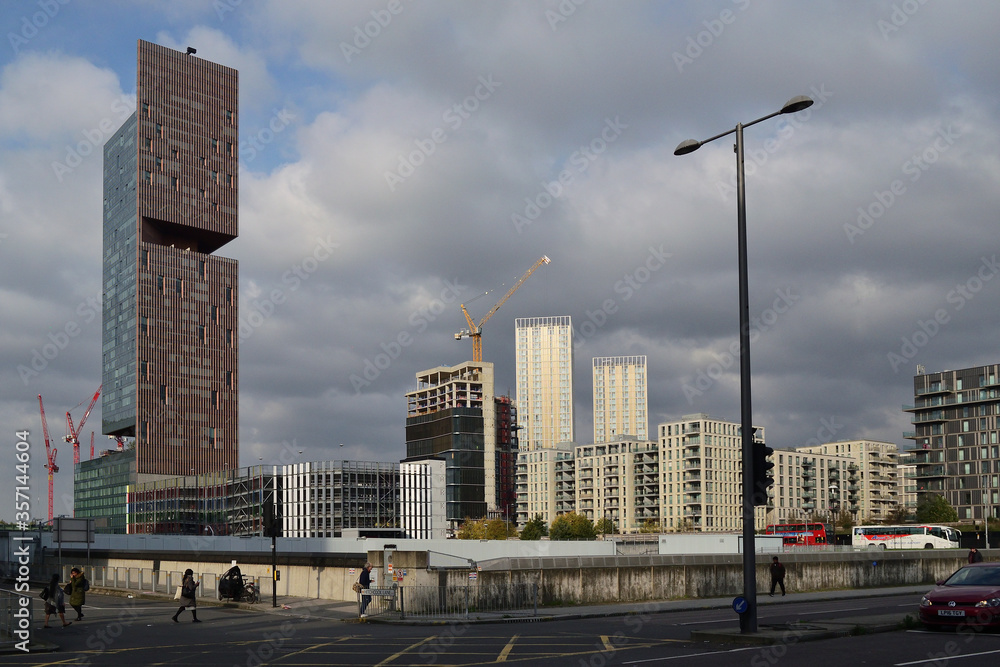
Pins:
x,y
762,480
269,519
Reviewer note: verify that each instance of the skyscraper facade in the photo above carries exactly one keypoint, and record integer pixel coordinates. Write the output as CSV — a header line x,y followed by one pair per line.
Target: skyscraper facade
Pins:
x,y
620,398
451,415
170,305
544,367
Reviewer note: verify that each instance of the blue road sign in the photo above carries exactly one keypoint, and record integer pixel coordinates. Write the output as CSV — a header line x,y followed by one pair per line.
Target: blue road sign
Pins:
x,y
740,604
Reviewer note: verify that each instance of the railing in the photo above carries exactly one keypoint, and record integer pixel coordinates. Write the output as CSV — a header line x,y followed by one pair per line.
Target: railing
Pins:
x,y
500,600
16,621
148,580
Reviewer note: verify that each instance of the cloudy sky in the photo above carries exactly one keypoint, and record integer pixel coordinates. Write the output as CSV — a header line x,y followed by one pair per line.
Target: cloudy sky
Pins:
x,y
401,158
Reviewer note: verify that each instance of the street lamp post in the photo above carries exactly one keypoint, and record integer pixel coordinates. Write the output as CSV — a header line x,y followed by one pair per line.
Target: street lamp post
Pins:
x,y
748,620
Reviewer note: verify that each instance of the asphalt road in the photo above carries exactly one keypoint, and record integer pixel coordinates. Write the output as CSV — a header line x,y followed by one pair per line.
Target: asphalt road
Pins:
x,y
122,631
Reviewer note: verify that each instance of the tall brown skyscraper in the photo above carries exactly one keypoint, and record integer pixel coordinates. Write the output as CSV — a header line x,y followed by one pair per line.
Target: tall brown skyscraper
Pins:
x,y
170,304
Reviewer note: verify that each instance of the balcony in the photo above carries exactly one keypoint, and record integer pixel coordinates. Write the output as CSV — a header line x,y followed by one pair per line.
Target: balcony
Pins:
x,y
928,471
692,452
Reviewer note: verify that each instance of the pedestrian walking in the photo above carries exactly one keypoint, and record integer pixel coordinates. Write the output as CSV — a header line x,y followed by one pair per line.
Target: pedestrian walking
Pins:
x,y
777,576
77,589
975,556
55,601
366,581
190,601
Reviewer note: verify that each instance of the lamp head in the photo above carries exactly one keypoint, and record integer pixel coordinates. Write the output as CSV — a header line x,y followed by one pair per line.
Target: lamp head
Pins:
x,y
688,146
797,103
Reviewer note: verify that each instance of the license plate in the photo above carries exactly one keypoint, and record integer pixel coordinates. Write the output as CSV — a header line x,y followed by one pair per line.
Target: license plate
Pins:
x,y
951,612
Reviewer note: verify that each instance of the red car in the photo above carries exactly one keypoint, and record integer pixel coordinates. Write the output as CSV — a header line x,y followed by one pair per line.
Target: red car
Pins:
x,y
971,596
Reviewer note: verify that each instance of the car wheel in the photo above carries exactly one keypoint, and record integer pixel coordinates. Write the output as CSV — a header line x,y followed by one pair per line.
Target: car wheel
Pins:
x,y
928,546
883,547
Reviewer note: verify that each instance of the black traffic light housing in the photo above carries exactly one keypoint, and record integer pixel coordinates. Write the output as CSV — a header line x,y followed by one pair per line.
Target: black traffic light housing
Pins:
x,y
762,479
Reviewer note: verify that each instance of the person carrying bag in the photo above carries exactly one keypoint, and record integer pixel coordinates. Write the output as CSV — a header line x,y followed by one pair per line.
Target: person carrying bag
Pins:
x,y
187,592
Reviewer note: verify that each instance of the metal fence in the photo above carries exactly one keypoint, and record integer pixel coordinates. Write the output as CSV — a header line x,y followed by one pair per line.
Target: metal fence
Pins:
x,y
147,580
495,600
15,619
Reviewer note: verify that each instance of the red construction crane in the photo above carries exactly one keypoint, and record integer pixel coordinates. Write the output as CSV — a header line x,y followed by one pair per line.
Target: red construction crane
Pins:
x,y
73,436
50,453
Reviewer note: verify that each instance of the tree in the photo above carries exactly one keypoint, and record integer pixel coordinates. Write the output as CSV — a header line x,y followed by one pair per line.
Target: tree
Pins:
x,y
500,529
685,526
572,526
845,522
534,529
605,526
898,514
472,530
650,526
933,508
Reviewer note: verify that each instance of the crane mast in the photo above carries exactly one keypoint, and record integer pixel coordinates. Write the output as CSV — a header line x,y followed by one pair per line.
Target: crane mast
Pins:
x,y
475,331
50,453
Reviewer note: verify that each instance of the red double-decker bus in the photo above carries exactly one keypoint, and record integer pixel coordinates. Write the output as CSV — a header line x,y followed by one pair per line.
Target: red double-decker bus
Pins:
x,y
802,534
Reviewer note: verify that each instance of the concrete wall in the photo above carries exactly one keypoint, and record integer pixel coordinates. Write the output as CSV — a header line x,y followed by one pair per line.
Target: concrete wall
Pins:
x,y
562,580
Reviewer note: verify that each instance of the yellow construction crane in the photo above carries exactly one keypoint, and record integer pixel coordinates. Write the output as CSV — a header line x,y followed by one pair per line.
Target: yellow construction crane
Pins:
x,y
475,331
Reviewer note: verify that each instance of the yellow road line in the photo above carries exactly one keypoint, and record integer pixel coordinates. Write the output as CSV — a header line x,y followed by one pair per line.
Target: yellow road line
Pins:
x,y
507,649
608,646
411,646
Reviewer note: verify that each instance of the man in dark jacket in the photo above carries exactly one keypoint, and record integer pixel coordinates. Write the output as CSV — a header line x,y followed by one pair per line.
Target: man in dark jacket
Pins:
x,y
777,575
975,556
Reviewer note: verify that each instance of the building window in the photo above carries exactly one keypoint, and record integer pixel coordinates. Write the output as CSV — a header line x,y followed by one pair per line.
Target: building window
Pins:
x,y
159,130
180,286
145,108
229,337
147,143
230,149
229,295
229,379
144,325
201,333
164,395
159,283
174,183
215,399
229,116
201,269
215,313
144,370
147,177
215,145
211,435
229,180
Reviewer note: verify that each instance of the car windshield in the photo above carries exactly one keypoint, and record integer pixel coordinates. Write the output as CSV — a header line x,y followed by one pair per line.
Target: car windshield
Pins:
x,y
975,576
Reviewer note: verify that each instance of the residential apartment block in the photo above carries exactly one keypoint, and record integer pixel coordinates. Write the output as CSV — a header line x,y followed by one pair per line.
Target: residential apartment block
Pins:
x,y
620,398
701,474
876,477
544,370
957,438
546,483
813,485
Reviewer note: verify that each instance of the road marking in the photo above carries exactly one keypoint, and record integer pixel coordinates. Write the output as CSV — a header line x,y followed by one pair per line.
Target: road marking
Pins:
x,y
692,655
411,646
950,657
507,649
829,611
724,620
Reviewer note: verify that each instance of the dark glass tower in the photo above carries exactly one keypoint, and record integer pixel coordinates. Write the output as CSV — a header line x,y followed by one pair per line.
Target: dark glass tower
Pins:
x,y
170,304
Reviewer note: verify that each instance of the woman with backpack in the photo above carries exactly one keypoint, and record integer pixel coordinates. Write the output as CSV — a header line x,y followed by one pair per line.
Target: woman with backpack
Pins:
x,y
188,588
55,601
